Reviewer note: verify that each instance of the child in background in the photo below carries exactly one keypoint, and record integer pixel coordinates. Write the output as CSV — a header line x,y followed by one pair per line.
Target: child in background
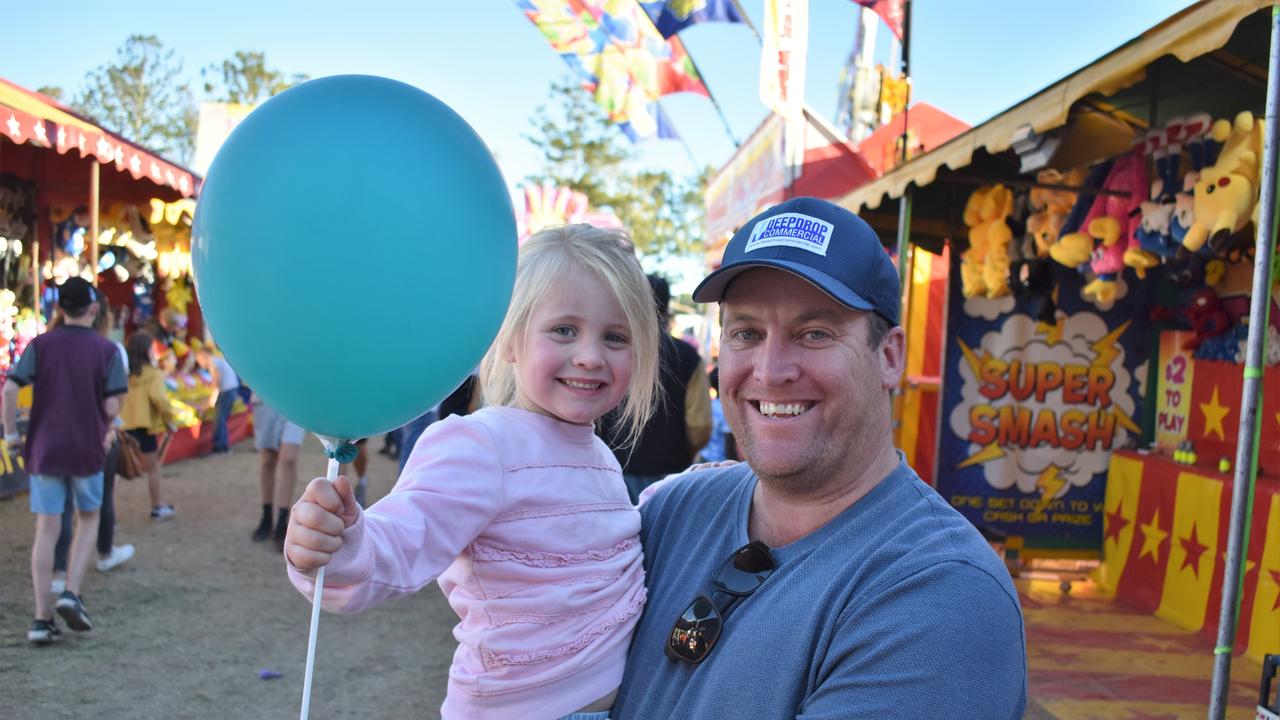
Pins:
x,y
225,383
518,510
147,415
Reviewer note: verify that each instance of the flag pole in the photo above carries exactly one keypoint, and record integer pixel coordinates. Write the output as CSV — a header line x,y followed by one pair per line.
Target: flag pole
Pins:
x,y
904,204
746,20
1246,468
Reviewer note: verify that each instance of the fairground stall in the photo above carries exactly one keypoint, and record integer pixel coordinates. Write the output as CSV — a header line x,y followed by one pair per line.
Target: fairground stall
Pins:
x,y
75,198
1101,240
759,175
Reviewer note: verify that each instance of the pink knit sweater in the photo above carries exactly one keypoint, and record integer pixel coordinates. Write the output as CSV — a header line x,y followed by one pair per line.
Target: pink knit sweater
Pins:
x,y
526,524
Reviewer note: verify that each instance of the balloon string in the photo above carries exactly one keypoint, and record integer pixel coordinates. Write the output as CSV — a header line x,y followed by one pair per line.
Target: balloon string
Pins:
x,y
334,450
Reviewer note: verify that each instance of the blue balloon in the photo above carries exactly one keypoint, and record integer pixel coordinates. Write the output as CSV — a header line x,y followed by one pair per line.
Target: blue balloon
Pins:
x,y
354,249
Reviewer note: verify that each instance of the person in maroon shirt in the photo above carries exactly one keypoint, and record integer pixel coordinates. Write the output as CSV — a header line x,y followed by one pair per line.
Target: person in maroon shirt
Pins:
x,y
77,377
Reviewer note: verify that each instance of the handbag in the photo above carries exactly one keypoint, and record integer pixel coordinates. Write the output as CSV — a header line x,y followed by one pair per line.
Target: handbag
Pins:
x,y
130,465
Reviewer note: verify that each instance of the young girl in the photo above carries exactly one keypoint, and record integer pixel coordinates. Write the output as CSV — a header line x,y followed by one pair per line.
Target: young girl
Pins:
x,y
146,414
518,510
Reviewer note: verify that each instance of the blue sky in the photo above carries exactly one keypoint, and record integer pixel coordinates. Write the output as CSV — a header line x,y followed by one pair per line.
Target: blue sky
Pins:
x,y
972,58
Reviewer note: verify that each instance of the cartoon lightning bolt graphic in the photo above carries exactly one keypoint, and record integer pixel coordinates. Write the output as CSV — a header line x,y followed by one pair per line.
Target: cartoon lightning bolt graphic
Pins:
x,y
1106,347
1124,421
1050,484
986,454
974,363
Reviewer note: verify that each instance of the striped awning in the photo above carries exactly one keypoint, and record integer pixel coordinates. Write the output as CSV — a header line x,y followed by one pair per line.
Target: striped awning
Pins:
x,y
28,117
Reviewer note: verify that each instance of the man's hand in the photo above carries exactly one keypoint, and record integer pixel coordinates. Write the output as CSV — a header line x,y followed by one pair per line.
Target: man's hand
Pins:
x,y
317,521
110,438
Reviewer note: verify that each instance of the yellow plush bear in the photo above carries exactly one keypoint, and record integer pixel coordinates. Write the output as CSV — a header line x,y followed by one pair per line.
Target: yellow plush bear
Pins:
x,y
1226,194
984,267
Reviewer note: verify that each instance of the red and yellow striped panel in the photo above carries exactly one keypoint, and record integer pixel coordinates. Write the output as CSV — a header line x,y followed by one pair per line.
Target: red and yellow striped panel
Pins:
x,y
1124,485
1264,618
1164,548
1193,551
917,431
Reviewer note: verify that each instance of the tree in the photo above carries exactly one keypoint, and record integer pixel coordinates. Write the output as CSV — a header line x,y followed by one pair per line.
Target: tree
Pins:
x,y
664,214
583,151
245,78
51,91
580,148
142,96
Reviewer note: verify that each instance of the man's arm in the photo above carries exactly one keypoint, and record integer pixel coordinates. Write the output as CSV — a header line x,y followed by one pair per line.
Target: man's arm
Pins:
x,y
697,409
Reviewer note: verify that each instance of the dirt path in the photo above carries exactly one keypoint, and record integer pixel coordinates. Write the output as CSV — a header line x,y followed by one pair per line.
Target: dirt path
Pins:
x,y
182,630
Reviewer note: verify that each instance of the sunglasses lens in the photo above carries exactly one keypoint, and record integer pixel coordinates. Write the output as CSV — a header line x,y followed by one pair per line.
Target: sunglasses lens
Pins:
x,y
695,632
745,570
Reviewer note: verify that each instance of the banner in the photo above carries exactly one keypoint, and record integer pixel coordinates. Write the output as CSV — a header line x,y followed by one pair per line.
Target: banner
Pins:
x,y
672,16
620,57
1031,411
214,126
785,37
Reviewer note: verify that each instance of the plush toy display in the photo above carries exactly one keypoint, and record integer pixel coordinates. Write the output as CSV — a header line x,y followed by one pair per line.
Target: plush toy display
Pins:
x,y
1226,194
1050,206
984,268
1165,147
1110,229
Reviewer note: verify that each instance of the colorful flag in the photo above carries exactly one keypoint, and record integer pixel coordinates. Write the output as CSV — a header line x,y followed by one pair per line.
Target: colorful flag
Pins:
x,y
891,11
785,37
672,16
620,57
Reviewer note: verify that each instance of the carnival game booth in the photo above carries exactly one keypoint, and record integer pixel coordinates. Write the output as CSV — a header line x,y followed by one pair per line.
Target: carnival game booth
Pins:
x,y
76,199
759,174
1101,238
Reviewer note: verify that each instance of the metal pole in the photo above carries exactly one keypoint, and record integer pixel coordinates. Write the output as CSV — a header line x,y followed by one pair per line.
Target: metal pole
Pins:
x,y
904,235
94,206
1255,358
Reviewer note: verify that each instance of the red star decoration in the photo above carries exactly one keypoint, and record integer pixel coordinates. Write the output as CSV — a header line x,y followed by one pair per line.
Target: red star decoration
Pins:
x,y
1192,547
1116,522
1275,576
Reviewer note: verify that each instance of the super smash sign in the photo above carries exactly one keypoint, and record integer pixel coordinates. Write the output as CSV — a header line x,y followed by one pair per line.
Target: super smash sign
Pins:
x,y
1031,413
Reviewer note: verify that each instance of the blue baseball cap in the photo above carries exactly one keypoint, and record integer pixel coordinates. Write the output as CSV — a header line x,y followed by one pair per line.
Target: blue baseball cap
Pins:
x,y
821,242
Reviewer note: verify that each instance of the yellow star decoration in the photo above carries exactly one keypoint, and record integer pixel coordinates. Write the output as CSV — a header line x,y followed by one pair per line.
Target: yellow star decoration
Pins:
x,y
1249,565
1214,415
1152,536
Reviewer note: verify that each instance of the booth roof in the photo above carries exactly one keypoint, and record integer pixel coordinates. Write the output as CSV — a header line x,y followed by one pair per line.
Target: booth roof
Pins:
x,y
1195,31
29,117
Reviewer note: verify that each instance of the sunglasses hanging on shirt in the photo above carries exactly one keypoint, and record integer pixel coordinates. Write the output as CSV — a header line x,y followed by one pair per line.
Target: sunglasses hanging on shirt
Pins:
x,y
698,628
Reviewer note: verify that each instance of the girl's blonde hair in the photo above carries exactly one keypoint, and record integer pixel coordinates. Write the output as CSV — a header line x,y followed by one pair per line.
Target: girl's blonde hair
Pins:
x,y
545,258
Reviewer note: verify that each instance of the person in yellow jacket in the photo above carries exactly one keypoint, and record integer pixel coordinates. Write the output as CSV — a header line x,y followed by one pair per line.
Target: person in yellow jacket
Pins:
x,y
147,414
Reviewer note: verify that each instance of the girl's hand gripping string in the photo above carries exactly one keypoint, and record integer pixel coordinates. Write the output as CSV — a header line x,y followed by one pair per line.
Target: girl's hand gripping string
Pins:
x,y
317,521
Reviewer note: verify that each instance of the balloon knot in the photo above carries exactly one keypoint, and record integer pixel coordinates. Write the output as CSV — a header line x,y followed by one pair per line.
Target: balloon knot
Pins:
x,y
344,453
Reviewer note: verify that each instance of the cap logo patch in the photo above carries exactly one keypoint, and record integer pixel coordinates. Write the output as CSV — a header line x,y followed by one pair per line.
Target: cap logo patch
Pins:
x,y
791,230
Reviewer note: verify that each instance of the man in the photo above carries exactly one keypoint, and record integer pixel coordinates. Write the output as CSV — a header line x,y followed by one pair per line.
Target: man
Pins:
x,y
681,422
821,578
78,379
278,441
